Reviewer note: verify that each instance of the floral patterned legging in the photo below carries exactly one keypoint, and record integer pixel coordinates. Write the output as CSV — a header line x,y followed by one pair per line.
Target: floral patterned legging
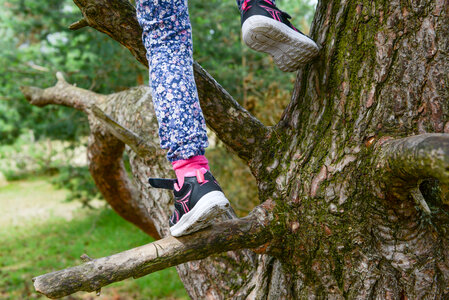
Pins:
x,y
167,36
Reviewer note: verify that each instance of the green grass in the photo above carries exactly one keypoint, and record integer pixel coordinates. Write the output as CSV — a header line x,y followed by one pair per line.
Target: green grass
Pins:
x,y
27,199
38,247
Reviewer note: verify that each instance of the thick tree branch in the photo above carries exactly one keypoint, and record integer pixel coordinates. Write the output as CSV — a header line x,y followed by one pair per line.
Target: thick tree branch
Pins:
x,y
105,151
117,19
235,126
417,157
248,232
404,163
66,94
106,166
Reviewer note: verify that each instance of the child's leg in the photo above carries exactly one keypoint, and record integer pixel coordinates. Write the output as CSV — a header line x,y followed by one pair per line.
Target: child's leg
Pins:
x,y
267,29
167,36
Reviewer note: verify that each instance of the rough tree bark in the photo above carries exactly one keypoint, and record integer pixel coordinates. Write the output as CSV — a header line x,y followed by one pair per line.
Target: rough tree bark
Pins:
x,y
356,171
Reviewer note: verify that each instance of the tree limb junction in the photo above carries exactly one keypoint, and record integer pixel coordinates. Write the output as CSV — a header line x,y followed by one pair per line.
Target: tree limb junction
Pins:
x,y
105,150
417,157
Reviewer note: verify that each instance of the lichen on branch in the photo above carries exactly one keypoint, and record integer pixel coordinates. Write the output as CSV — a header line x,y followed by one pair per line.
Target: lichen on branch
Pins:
x,y
248,232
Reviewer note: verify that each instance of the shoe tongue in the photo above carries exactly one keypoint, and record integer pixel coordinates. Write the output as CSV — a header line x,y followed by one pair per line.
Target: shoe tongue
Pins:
x,y
187,168
198,173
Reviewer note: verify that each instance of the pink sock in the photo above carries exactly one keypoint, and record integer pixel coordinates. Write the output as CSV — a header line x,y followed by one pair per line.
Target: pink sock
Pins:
x,y
194,166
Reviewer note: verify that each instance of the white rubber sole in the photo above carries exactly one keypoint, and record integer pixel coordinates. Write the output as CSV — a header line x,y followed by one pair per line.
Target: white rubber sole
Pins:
x,y
289,48
205,212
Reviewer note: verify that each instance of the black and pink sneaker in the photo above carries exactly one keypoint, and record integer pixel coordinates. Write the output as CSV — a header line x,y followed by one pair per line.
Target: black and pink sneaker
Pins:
x,y
267,29
198,203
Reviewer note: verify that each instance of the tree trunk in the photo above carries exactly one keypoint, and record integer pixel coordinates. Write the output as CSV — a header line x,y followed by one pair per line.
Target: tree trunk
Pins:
x,y
351,226
359,205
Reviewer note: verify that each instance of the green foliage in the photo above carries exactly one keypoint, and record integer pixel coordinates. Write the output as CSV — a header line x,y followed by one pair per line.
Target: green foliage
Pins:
x,y
34,44
36,248
79,182
29,158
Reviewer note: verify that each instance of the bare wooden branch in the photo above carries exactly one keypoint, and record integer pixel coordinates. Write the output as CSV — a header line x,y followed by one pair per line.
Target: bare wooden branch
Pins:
x,y
105,151
62,93
235,126
66,94
79,24
137,144
86,258
248,232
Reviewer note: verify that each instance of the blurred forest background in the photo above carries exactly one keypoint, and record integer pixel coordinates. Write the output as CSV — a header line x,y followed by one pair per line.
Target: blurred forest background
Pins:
x,y
51,211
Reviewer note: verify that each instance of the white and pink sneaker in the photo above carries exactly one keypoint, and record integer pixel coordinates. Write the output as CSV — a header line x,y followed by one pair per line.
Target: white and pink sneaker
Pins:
x,y
267,29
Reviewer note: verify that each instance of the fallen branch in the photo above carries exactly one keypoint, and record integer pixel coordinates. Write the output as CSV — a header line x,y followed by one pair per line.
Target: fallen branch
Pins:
x,y
248,232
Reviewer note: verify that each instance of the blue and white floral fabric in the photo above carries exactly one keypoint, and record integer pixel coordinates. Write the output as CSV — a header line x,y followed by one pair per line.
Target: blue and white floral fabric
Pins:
x,y
167,36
